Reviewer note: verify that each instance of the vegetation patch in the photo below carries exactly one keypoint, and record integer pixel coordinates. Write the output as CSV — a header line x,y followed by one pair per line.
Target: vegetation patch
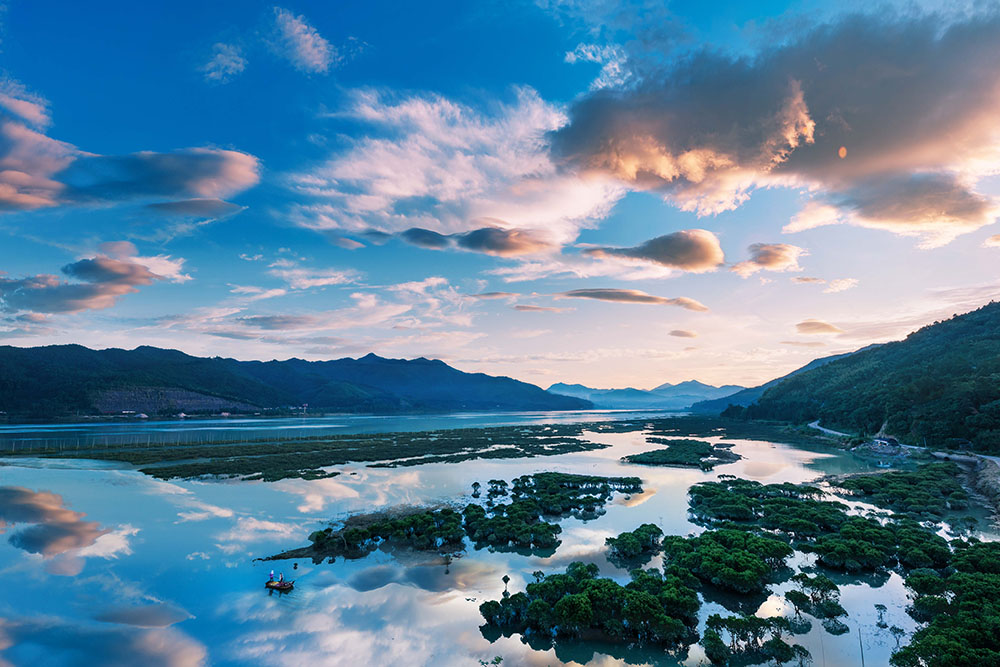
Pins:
x,y
270,460
517,524
750,640
653,608
733,560
928,492
962,611
635,547
685,453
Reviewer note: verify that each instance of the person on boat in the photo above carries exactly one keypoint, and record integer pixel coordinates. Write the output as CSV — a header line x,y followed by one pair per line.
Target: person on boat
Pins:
x,y
271,578
281,578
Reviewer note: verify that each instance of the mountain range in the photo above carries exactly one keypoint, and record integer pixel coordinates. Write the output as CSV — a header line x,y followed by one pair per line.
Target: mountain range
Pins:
x,y
61,380
664,397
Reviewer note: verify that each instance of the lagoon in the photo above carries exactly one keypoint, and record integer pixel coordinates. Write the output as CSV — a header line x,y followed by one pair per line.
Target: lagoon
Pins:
x,y
116,564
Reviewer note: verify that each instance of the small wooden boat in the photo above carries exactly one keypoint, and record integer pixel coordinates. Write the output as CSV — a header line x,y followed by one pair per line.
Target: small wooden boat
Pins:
x,y
283,586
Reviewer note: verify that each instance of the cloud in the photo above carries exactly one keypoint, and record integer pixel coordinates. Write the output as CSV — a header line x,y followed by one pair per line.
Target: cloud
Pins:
x,y
192,172
937,207
54,529
196,208
770,257
813,326
610,57
504,242
495,295
16,99
279,322
528,308
632,296
227,61
305,278
301,44
488,240
992,242
253,293
68,642
693,250
837,285
682,333
249,529
21,505
431,168
803,343
910,97
813,214
841,285
37,171
425,238
105,278
159,615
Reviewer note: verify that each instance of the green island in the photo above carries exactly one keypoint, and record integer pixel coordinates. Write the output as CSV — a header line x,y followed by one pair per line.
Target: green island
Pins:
x,y
654,607
518,524
685,453
637,546
841,541
926,493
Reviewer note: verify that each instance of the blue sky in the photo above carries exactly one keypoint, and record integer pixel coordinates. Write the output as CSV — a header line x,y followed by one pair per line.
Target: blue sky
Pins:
x,y
563,190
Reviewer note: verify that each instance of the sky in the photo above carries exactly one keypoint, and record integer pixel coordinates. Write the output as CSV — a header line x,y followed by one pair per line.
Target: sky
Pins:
x,y
611,193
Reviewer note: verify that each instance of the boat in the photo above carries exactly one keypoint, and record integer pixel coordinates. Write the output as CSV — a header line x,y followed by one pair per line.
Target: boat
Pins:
x,y
283,586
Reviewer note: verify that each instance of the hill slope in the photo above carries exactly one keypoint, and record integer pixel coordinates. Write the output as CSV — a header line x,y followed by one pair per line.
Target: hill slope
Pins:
x,y
940,383
745,397
71,379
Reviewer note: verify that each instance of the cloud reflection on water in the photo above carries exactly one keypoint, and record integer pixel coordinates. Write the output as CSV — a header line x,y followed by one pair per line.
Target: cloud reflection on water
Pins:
x,y
71,643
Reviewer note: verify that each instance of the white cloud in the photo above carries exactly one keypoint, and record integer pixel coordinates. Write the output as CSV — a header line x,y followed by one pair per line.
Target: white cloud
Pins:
x,y
438,165
841,285
302,44
770,257
305,278
227,61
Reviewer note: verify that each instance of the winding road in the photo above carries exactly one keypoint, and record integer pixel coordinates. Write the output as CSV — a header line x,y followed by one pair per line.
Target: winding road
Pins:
x,y
830,431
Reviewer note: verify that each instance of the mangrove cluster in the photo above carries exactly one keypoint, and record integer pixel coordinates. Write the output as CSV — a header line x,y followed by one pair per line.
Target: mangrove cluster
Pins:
x,y
653,608
684,453
517,524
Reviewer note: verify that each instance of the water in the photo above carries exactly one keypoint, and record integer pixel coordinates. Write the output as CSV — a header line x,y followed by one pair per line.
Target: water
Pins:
x,y
133,431
106,565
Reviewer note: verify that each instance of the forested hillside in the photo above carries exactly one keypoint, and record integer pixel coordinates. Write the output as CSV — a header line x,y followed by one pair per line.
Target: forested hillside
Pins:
x,y
940,385
744,397
70,379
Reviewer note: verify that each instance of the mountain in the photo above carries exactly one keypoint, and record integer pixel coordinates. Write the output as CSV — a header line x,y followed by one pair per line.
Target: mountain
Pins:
x,y
664,397
577,390
71,379
695,388
939,385
745,397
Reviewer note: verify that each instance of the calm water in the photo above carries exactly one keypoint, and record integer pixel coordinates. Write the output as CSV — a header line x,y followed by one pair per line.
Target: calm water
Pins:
x,y
106,566
135,431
